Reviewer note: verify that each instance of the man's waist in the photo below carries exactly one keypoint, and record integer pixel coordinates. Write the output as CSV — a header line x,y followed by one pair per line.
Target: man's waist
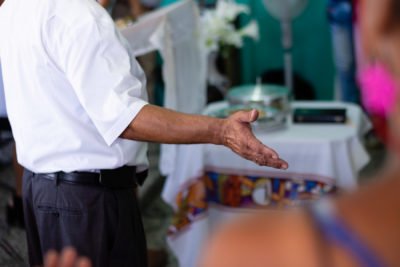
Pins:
x,y
55,154
118,178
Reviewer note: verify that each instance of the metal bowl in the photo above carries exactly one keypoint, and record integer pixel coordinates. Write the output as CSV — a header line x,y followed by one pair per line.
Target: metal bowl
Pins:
x,y
265,113
269,118
271,100
263,95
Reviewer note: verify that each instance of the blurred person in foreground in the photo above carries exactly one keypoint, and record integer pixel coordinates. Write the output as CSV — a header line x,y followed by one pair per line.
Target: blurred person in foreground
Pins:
x,y
68,258
358,229
78,109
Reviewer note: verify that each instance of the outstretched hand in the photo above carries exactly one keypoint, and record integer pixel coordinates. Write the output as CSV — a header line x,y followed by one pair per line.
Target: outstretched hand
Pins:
x,y
156,124
238,136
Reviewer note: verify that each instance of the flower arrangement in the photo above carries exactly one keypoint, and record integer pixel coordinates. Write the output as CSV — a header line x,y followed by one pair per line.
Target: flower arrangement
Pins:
x,y
219,29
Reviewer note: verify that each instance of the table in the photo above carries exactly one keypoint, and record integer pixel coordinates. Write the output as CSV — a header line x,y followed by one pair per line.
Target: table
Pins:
x,y
210,184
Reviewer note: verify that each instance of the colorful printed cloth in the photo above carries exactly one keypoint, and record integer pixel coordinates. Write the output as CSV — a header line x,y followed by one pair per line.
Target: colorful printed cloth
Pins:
x,y
239,191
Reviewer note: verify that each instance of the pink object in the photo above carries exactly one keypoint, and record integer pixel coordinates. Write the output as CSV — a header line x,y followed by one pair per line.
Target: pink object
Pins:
x,y
378,89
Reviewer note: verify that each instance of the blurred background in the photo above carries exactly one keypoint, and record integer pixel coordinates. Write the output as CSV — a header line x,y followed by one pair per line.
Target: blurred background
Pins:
x,y
294,61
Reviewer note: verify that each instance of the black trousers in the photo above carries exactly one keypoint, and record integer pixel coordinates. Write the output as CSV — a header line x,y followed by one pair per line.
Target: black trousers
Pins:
x,y
100,223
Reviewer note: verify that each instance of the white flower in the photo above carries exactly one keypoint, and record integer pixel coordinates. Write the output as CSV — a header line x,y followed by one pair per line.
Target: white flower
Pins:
x,y
218,28
230,10
233,38
251,30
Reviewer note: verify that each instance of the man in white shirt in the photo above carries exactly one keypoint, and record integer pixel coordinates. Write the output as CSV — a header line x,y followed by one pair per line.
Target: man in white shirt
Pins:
x,y
76,101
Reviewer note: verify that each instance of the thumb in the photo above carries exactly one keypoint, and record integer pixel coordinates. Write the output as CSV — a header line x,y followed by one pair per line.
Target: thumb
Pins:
x,y
248,116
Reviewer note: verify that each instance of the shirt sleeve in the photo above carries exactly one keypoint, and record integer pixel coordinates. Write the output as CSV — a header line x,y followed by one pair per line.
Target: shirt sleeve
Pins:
x,y
107,79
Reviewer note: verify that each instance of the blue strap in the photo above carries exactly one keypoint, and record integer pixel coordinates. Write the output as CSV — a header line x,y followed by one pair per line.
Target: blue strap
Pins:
x,y
335,230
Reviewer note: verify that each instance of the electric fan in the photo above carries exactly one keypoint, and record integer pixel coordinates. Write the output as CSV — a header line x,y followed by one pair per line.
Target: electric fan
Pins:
x,y
285,11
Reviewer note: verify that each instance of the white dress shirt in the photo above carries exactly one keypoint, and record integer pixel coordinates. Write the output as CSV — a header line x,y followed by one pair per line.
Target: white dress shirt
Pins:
x,y
71,85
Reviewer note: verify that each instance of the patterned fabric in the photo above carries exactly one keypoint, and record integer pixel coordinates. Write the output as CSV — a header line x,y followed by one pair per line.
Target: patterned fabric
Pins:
x,y
250,192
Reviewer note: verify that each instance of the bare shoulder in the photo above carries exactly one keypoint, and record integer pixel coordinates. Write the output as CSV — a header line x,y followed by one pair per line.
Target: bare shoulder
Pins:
x,y
373,214
269,239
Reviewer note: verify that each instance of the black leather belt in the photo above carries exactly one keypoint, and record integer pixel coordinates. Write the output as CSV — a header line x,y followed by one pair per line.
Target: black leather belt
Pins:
x,y
123,177
5,124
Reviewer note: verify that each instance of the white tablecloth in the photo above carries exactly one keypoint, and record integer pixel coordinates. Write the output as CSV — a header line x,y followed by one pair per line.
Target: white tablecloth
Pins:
x,y
330,154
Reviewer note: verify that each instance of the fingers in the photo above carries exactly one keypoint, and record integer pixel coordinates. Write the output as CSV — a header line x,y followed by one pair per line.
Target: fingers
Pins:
x,y
83,262
267,150
265,160
253,115
68,258
274,163
284,165
247,116
239,137
51,259
261,158
264,156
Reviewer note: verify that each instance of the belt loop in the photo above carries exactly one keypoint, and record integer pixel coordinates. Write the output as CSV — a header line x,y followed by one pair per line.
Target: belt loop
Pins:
x,y
101,177
56,178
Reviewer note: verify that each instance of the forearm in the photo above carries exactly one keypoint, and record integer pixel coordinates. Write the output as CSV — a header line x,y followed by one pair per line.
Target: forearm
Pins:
x,y
136,8
104,3
156,124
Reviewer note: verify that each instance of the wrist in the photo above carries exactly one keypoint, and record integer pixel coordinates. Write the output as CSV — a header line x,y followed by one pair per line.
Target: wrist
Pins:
x,y
217,131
